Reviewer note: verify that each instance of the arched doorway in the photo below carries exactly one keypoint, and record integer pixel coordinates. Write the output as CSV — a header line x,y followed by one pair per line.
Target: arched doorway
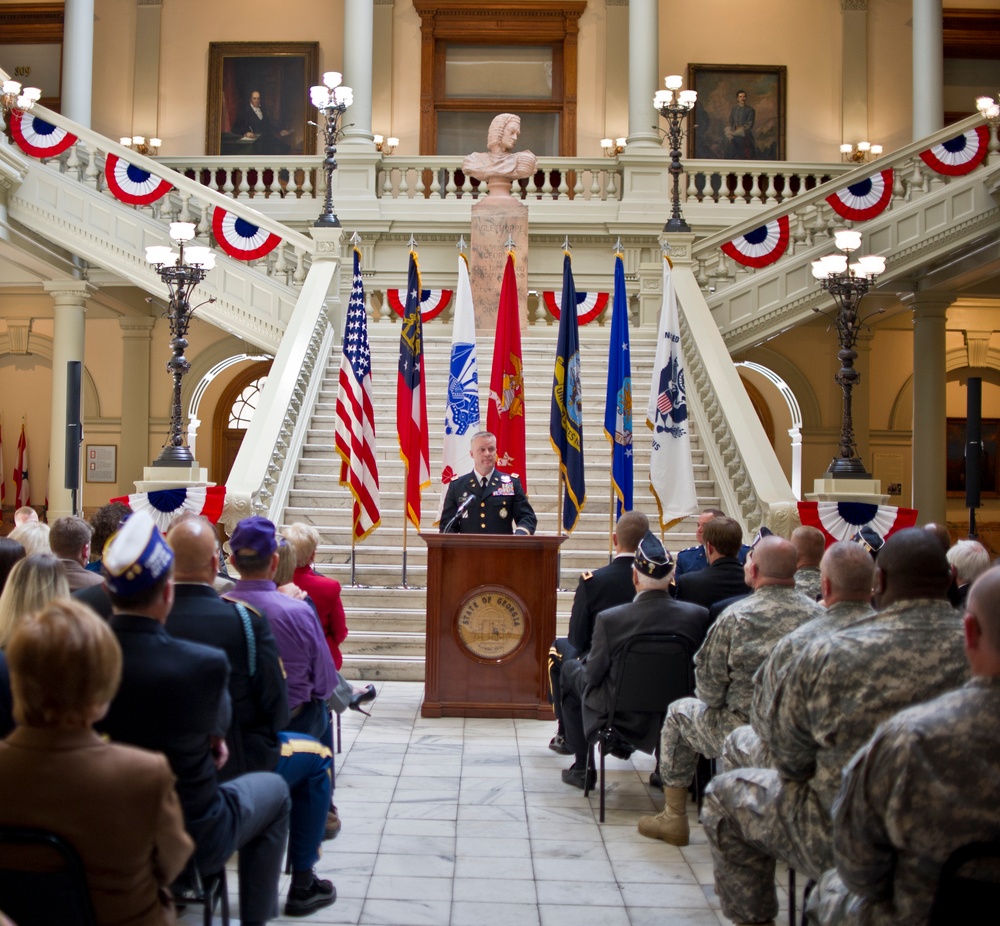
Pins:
x,y
233,415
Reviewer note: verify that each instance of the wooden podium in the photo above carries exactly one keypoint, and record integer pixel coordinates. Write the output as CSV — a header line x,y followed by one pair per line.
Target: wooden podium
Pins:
x,y
491,618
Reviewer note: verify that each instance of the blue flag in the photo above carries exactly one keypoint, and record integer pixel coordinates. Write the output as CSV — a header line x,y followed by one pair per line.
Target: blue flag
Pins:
x,y
566,419
618,403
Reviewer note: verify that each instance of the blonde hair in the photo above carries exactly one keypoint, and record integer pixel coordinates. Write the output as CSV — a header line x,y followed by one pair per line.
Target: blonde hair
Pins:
x,y
286,565
33,536
64,662
32,584
304,539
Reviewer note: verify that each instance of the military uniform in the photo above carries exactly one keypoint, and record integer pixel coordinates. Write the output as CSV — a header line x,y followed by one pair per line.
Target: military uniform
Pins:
x,y
495,510
927,783
807,581
830,700
738,642
691,559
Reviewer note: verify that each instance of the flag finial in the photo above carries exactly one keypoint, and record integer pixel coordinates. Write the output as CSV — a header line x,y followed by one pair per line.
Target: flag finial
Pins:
x,y
509,243
667,248
618,245
355,239
412,243
461,244
566,245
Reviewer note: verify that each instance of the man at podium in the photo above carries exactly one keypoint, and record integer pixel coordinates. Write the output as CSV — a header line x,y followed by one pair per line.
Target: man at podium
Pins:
x,y
486,501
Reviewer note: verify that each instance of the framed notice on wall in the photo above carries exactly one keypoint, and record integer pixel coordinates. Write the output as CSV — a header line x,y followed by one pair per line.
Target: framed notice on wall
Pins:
x,y
102,462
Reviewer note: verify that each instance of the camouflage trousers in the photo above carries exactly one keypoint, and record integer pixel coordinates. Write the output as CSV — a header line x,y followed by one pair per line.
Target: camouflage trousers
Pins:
x,y
832,904
743,748
752,817
692,728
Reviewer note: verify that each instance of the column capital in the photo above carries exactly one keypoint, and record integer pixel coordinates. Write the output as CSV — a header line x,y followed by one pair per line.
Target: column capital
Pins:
x,y
69,292
928,305
136,327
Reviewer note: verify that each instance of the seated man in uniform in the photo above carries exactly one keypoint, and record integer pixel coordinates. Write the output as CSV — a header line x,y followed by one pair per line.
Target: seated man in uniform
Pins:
x,y
486,501
810,543
723,577
691,559
607,587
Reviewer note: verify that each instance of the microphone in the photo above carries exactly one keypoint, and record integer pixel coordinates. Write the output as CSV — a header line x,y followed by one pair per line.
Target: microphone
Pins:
x,y
468,500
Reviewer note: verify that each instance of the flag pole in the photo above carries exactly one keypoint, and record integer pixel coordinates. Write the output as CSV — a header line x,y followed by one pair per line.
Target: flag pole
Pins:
x,y
611,511
559,509
354,577
406,524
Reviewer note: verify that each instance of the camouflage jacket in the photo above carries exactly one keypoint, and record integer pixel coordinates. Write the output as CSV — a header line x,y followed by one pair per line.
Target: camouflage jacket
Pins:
x,y
807,581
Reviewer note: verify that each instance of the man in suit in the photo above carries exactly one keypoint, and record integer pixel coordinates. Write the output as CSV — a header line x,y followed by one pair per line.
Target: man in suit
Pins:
x,y
486,501
597,591
70,541
587,685
253,124
173,699
723,578
691,559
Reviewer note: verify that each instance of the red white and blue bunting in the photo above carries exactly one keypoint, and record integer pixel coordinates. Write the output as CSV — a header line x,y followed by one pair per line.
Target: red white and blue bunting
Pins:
x,y
760,247
959,155
241,239
842,520
588,305
132,184
37,137
432,302
165,505
865,199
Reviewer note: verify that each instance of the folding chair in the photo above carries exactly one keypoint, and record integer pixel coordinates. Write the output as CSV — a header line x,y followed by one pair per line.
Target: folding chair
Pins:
x,y
969,885
192,887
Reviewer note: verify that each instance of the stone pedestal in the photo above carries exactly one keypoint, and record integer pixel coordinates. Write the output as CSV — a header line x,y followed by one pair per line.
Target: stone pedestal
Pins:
x,y
494,219
829,489
158,478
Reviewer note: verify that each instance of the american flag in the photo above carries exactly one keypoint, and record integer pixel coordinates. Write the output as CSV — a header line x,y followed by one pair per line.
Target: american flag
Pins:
x,y
355,437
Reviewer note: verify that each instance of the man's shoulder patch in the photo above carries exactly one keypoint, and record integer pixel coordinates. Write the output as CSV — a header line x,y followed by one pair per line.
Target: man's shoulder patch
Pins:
x,y
586,576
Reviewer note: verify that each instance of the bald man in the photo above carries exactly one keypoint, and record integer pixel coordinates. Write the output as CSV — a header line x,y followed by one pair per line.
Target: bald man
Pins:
x,y
738,642
810,544
926,783
831,699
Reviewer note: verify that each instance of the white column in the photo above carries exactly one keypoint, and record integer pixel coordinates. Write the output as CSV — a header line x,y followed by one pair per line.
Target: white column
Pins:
x,y
70,307
854,71
930,312
928,67
644,78
359,18
133,453
78,61
146,79
796,435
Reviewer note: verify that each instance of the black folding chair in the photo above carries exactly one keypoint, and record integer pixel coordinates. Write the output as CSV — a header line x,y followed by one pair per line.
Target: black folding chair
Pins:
x,y
210,891
42,881
654,670
969,885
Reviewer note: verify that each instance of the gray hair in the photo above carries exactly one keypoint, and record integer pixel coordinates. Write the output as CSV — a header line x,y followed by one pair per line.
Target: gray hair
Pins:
x,y
970,559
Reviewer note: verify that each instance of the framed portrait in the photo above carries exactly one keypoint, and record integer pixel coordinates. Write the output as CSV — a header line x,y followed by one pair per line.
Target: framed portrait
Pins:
x,y
258,98
989,482
740,112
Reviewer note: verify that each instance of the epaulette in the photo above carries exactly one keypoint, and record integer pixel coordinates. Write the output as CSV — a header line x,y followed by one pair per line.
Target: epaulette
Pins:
x,y
587,575
697,546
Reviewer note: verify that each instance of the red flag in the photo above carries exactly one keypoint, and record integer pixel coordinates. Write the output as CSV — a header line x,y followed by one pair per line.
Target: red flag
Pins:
x,y
3,484
22,491
411,400
505,417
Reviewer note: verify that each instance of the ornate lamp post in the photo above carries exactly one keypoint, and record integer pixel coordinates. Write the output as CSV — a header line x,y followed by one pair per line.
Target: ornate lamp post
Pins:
x,y
181,272
674,111
331,99
848,284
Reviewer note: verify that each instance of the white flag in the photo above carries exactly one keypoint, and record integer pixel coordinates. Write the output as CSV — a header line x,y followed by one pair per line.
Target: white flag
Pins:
x,y
461,415
671,473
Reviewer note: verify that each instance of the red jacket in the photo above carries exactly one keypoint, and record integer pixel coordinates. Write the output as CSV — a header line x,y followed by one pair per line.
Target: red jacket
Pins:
x,y
325,594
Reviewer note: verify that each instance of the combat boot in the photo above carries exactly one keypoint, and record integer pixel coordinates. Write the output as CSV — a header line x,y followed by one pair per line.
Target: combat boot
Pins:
x,y
671,823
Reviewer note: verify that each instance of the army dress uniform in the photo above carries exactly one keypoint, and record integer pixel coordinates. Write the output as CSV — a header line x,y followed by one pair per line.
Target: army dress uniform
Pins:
x,y
499,507
828,704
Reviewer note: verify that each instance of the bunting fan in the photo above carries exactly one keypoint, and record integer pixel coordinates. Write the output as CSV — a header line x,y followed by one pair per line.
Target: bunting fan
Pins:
x,y
132,184
760,247
842,520
959,155
432,302
865,199
588,305
164,505
241,239
37,137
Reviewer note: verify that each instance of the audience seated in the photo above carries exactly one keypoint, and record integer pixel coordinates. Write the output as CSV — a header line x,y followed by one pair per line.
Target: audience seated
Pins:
x,y
736,646
588,683
691,559
33,536
829,702
11,552
173,698
105,523
723,577
69,539
596,591
24,514
116,805
927,783
970,560
810,543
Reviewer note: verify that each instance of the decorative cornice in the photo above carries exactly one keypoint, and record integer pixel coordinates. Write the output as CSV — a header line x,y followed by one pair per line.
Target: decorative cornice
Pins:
x,y
860,6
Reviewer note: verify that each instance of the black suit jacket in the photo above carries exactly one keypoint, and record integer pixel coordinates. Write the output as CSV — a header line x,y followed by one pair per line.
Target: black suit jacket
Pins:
x,y
719,580
260,701
172,699
597,591
495,510
651,612
97,598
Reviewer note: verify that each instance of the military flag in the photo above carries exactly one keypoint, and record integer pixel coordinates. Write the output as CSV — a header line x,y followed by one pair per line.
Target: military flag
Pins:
x,y
618,401
566,416
671,472
22,489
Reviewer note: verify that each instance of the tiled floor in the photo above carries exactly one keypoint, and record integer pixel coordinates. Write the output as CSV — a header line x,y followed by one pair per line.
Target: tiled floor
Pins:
x,y
466,822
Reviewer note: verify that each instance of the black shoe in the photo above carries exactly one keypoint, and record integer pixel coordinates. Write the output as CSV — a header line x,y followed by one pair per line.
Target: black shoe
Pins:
x,y
575,776
618,747
655,780
304,900
366,694
558,744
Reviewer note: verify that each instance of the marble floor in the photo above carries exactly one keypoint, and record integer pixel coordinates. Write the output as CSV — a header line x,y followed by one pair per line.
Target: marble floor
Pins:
x,y
466,822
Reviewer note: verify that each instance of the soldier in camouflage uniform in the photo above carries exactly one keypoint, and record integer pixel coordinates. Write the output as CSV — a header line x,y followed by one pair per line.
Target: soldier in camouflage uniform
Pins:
x,y
829,702
810,543
847,574
927,783
737,644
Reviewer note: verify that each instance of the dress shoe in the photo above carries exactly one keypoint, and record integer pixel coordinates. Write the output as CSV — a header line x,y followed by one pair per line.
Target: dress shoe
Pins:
x,y
304,900
655,781
332,825
558,744
575,776
361,697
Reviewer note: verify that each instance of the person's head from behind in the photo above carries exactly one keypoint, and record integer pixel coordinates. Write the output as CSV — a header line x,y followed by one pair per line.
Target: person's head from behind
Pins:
x,y
632,526
11,552
65,666
911,564
810,544
653,565
982,624
196,550
772,562
285,573
255,548
33,536
846,573
105,522
970,559
723,534
69,538
304,539
24,515
32,584
138,569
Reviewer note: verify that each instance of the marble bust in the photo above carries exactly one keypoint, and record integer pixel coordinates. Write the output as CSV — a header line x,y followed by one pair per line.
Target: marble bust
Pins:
x,y
500,165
